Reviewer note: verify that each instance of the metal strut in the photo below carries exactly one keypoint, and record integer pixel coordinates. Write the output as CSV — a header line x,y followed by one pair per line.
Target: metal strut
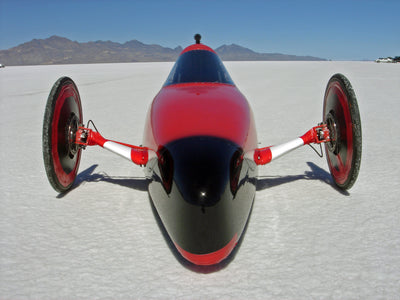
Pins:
x,y
317,135
88,137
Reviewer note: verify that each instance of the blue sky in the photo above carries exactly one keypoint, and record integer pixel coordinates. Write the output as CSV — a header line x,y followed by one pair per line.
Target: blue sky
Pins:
x,y
336,29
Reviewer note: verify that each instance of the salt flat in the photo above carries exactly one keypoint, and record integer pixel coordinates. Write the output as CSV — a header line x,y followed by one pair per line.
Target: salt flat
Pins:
x,y
305,239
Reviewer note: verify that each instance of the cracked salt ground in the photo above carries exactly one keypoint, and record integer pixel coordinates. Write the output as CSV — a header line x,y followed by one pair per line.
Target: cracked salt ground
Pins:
x,y
305,239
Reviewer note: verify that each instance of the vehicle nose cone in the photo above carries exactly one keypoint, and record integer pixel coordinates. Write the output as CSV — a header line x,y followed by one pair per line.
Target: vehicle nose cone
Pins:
x,y
201,205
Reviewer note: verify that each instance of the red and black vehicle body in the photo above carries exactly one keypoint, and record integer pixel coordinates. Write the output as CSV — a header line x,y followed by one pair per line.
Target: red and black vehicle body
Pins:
x,y
202,186
200,150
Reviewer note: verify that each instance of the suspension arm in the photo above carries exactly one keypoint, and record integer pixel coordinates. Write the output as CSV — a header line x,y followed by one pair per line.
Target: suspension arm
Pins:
x,y
318,134
138,155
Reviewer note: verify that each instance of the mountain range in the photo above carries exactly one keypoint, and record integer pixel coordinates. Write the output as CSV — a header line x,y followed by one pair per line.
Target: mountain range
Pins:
x,y
60,50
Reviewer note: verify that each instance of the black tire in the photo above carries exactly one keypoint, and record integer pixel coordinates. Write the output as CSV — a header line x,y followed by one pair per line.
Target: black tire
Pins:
x,y
342,115
63,115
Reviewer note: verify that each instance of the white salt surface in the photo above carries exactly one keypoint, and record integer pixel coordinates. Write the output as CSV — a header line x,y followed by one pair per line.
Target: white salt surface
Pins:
x,y
305,239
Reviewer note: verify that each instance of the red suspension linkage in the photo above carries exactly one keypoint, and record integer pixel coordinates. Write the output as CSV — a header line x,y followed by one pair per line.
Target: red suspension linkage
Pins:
x,y
88,137
318,134
262,156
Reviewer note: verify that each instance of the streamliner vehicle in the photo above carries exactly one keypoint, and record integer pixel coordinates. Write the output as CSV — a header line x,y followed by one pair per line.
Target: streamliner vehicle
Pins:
x,y
200,151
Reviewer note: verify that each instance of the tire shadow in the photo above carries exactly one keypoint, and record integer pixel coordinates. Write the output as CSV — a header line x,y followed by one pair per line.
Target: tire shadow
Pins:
x,y
136,183
316,173
262,182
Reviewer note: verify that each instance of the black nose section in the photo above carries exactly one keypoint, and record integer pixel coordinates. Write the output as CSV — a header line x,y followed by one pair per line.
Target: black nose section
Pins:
x,y
203,193
203,168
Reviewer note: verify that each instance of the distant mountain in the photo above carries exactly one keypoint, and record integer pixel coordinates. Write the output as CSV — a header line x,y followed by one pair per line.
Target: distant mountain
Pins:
x,y
235,52
59,50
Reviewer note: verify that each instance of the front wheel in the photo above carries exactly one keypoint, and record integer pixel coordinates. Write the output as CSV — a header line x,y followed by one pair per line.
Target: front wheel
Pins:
x,y
342,116
63,115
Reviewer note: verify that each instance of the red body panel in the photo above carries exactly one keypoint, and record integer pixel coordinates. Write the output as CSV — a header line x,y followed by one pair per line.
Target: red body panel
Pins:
x,y
197,47
197,109
201,109
210,258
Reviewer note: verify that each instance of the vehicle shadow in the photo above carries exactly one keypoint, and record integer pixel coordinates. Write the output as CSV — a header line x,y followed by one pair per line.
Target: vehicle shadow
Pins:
x,y
136,183
141,184
316,173
262,182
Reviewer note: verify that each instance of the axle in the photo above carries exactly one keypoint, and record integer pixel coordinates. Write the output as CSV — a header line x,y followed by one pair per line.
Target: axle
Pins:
x,y
87,137
141,155
318,134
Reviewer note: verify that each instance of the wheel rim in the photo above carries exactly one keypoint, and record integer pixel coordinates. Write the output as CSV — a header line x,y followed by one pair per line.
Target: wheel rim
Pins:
x,y
337,116
65,153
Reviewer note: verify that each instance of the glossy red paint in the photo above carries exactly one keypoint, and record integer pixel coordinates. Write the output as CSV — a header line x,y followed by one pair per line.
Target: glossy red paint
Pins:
x,y
262,156
139,155
209,258
95,138
201,109
309,137
197,47
196,109
318,134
